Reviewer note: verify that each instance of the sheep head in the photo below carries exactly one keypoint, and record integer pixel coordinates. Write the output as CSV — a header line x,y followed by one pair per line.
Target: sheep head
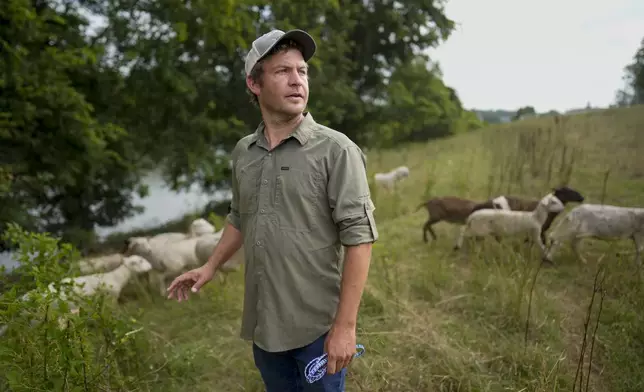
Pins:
x,y
137,264
552,203
402,171
566,195
137,246
201,226
140,246
501,203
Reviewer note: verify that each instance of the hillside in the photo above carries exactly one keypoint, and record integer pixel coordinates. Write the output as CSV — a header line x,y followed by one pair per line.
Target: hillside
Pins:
x,y
435,320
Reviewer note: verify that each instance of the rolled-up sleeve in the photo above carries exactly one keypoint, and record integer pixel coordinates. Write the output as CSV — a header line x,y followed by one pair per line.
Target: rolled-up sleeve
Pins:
x,y
350,198
233,216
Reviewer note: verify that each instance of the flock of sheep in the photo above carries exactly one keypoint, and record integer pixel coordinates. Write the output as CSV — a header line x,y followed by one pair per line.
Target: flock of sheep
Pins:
x,y
511,216
163,256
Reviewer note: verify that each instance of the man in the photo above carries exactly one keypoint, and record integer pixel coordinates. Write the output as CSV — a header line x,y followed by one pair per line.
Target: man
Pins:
x,y
300,192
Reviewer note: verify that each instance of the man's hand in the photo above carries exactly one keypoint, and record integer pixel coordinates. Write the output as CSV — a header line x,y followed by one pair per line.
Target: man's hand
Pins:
x,y
192,279
340,347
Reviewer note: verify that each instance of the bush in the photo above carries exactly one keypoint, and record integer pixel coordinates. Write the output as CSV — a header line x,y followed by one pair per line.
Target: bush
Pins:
x,y
47,346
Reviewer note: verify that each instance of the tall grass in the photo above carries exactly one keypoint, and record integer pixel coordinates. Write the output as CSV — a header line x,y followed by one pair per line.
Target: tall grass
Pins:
x,y
489,319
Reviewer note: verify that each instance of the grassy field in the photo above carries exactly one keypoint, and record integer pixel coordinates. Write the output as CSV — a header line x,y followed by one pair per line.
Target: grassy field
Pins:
x,y
435,320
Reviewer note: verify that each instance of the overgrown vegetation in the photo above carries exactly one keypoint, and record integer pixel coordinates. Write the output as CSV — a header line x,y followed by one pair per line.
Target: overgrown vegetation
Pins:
x,y
47,346
431,319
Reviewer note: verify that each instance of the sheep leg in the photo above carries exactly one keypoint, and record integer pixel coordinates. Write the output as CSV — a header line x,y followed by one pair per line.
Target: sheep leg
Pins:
x,y
552,248
575,243
459,241
543,237
638,249
537,237
159,282
152,279
428,228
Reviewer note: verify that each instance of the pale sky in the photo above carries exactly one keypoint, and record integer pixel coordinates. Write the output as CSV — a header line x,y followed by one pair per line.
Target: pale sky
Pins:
x,y
550,54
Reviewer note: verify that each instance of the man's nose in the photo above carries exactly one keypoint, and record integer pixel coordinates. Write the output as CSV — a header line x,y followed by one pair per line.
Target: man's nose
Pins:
x,y
296,78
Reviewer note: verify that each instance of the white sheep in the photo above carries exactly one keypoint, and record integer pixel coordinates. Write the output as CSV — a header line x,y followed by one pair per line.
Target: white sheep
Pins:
x,y
199,227
164,238
168,259
498,222
111,283
104,263
205,247
605,222
157,240
388,180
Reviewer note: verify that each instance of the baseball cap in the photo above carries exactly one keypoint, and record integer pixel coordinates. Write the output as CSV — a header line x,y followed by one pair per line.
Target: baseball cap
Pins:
x,y
262,45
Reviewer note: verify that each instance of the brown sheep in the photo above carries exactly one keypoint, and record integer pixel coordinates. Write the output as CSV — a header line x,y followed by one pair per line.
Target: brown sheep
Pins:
x,y
451,209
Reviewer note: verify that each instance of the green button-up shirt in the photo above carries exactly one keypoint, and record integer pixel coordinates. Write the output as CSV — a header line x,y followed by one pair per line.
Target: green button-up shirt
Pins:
x,y
296,205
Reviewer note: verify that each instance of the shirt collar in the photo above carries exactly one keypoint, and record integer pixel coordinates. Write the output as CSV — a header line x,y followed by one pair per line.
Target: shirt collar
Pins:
x,y
301,133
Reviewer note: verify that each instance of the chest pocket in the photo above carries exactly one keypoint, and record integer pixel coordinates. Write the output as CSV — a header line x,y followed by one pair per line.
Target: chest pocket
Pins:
x,y
299,198
248,177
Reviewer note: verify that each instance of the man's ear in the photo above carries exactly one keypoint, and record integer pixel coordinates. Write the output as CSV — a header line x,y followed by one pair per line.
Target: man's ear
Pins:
x,y
252,85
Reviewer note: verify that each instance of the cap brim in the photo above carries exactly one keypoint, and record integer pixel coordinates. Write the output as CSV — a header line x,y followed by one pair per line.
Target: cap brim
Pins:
x,y
301,37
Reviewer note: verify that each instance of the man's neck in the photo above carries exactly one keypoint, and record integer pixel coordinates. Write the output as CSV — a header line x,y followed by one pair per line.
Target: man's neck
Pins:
x,y
277,129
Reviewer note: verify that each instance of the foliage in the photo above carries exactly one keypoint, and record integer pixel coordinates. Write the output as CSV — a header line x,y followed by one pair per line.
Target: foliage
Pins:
x,y
420,106
633,92
526,111
62,166
45,346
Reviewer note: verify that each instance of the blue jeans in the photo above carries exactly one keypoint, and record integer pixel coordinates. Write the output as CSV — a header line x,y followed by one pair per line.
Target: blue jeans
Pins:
x,y
284,371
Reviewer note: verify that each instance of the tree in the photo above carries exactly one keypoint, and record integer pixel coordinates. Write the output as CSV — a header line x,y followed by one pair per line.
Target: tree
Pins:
x,y
526,111
61,165
633,92
419,105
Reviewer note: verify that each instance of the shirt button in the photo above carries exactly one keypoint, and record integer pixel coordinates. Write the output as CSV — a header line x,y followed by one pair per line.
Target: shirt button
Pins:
x,y
258,243
265,181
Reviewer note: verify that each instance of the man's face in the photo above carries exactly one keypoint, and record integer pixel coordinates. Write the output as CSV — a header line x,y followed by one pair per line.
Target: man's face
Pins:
x,y
284,85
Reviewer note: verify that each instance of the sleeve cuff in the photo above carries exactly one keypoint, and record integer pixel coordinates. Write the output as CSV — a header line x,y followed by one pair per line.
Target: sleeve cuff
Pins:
x,y
234,220
359,229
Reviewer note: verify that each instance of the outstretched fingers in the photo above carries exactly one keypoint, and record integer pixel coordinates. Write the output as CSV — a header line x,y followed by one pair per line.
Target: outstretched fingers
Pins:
x,y
179,287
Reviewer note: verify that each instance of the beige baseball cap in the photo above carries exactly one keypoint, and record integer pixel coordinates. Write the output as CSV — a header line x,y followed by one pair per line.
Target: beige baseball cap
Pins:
x,y
262,45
